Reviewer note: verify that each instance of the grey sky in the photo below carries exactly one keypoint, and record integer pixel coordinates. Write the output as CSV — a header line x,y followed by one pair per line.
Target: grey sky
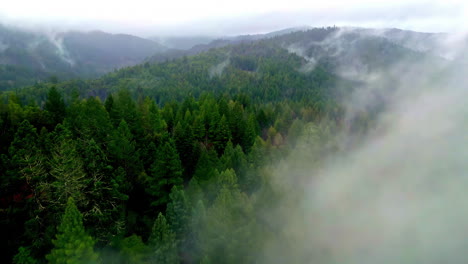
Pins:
x,y
211,17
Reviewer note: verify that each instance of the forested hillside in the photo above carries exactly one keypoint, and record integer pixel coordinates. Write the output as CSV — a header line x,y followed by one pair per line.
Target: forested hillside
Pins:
x,y
27,57
172,162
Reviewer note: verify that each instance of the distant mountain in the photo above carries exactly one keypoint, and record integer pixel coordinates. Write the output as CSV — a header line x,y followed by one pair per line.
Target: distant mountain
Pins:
x,y
199,45
287,64
351,53
182,42
358,49
445,45
105,52
26,57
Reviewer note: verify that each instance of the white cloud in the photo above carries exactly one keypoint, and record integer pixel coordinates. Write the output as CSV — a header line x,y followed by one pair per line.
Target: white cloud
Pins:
x,y
222,15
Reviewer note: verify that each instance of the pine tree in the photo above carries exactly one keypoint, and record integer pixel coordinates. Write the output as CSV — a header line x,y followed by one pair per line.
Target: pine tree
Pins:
x,y
133,250
227,233
163,243
165,173
55,106
152,123
66,168
89,119
199,130
178,212
72,244
184,142
249,134
222,135
122,150
109,103
26,161
24,256
206,165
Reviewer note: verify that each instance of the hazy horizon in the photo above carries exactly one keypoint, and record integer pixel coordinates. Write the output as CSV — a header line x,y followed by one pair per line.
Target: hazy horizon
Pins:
x,y
222,18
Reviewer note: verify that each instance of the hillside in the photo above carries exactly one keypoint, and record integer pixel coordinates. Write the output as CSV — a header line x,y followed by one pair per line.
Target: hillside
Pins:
x,y
255,150
27,57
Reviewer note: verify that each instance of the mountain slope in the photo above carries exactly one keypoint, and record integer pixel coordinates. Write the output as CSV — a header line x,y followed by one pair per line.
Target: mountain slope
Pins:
x,y
319,63
26,57
199,45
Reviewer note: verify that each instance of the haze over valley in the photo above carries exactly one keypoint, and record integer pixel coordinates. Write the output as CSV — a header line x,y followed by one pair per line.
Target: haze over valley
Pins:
x,y
135,132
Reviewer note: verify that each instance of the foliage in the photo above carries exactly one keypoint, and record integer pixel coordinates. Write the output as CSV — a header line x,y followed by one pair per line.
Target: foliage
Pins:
x,y
166,161
72,244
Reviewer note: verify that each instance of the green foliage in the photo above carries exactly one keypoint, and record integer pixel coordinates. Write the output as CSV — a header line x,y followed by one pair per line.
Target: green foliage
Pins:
x,y
133,250
24,257
227,236
123,152
67,171
178,212
163,243
175,137
55,106
72,243
165,173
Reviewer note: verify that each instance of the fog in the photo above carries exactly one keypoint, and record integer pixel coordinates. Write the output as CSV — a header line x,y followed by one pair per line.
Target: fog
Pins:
x,y
398,195
226,18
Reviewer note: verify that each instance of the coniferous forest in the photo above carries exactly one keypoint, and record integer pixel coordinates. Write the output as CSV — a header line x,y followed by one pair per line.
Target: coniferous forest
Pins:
x,y
157,163
175,161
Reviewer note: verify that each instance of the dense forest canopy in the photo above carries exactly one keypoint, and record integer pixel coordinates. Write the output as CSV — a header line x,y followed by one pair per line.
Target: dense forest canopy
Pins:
x,y
201,157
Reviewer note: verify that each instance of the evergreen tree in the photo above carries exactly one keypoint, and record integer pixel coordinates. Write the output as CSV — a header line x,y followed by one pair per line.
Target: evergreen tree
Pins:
x,y
178,212
199,130
249,134
227,236
186,148
24,257
234,158
89,119
109,103
55,106
163,243
26,163
67,170
107,193
72,243
165,173
133,250
122,150
222,135
151,120
206,165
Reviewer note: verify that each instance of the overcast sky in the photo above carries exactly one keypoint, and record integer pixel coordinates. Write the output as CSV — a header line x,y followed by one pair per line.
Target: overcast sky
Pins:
x,y
221,17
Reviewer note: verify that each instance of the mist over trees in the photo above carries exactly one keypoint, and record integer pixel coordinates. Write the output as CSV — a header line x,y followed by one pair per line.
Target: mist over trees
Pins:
x,y
166,162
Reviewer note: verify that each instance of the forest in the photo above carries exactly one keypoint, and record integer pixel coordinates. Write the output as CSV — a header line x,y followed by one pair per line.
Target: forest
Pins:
x,y
159,163
195,158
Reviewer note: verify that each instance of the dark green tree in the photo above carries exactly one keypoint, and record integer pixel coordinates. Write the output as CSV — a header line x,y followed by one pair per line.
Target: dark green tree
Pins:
x,y
55,106
178,212
163,243
133,250
186,148
72,243
67,171
122,151
222,135
24,257
165,173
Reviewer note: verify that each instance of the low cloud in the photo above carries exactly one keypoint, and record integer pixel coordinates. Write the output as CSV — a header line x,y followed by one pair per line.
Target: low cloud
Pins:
x,y
398,195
